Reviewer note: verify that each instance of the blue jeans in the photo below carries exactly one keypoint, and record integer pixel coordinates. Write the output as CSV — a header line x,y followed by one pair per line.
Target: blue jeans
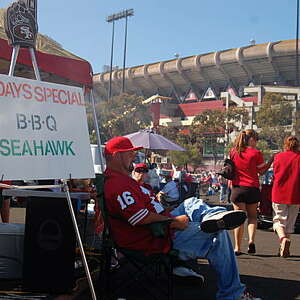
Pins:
x,y
223,192
192,243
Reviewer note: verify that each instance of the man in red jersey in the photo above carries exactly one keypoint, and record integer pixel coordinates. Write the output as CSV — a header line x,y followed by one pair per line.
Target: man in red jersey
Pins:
x,y
198,227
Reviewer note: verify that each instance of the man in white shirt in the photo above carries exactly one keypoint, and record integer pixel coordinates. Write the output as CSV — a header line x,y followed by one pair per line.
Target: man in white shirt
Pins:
x,y
153,178
169,195
176,173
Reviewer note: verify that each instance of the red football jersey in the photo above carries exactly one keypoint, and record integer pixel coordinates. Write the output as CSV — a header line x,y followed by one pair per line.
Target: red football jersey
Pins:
x,y
246,172
127,199
286,184
148,187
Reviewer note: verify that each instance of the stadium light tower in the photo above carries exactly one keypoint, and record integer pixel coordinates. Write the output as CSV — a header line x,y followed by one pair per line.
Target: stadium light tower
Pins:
x,y
111,19
128,13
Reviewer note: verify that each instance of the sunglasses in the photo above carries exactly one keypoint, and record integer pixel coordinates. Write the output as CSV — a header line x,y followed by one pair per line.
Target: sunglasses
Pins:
x,y
141,171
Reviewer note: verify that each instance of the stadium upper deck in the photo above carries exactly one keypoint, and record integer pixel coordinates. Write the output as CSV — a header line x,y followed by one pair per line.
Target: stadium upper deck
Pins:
x,y
269,63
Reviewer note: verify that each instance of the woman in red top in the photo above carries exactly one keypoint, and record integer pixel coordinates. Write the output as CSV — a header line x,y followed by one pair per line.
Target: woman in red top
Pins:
x,y
245,193
286,192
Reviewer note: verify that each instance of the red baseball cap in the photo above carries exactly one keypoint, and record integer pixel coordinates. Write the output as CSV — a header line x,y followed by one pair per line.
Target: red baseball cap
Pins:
x,y
119,144
141,166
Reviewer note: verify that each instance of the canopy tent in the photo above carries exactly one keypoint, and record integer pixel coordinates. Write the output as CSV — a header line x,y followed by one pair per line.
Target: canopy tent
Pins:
x,y
55,63
53,68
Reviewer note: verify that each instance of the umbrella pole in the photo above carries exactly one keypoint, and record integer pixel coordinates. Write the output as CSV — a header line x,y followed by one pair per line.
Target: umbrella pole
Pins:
x,y
146,156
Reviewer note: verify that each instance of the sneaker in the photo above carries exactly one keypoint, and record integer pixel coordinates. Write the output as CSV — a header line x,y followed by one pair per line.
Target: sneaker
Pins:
x,y
223,220
247,296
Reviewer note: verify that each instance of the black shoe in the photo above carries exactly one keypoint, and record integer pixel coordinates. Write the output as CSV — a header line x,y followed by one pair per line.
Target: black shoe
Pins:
x,y
189,281
238,253
251,248
224,220
186,276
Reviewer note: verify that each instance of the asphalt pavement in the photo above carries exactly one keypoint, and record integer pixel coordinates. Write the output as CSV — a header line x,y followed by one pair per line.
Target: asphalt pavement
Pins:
x,y
265,274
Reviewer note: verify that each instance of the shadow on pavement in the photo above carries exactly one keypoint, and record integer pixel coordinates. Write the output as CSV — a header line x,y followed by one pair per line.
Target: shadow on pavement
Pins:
x,y
272,288
259,286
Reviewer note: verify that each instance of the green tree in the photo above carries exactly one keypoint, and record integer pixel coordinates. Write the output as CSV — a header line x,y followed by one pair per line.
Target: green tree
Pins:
x,y
263,146
236,119
193,154
212,126
273,120
119,116
172,133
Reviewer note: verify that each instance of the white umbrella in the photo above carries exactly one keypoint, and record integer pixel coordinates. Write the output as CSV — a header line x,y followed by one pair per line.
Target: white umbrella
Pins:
x,y
153,141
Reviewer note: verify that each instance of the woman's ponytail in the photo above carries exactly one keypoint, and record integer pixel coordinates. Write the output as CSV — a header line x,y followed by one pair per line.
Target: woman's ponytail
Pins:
x,y
242,140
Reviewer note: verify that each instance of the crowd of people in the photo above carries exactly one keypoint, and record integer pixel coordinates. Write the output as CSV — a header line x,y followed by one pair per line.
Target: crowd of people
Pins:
x,y
243,192
142,193
200,230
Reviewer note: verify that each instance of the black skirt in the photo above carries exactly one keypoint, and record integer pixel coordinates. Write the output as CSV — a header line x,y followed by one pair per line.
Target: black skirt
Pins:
x,y
245,194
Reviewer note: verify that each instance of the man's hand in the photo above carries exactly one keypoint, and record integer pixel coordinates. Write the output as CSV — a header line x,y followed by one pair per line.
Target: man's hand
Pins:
x,y
180,222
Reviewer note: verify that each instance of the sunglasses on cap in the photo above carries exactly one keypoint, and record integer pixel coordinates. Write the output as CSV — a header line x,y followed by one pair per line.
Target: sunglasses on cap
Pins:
x,y
141,170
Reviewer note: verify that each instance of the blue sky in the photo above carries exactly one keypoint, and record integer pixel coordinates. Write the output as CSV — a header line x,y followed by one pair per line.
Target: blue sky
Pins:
x,y
161,28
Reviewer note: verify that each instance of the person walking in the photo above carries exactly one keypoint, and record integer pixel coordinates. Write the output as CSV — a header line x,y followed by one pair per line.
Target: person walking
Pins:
x,y
245,193
286,192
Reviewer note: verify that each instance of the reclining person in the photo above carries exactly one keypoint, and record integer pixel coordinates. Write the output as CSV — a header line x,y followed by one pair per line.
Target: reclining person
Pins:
x,y
199,228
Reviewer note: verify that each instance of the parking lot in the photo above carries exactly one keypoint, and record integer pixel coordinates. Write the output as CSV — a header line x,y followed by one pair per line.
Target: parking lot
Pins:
x,y
266,275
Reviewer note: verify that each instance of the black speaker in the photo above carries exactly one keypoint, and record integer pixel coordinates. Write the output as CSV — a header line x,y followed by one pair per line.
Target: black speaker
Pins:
x,y
49,246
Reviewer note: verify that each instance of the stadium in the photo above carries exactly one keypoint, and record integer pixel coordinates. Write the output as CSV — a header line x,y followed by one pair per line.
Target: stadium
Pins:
x,y
272,63
214,81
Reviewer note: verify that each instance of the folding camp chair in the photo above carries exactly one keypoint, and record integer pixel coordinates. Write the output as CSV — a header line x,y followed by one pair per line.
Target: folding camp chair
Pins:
x,y
150,267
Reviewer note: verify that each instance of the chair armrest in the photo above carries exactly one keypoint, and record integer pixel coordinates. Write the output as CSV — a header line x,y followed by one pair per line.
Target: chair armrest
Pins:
x,y
158,229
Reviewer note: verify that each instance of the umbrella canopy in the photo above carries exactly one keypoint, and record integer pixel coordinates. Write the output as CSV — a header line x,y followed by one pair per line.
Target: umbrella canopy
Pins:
x,y
153,141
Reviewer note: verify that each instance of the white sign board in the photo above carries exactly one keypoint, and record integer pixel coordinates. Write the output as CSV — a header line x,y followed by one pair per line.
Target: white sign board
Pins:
x,y
43,131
